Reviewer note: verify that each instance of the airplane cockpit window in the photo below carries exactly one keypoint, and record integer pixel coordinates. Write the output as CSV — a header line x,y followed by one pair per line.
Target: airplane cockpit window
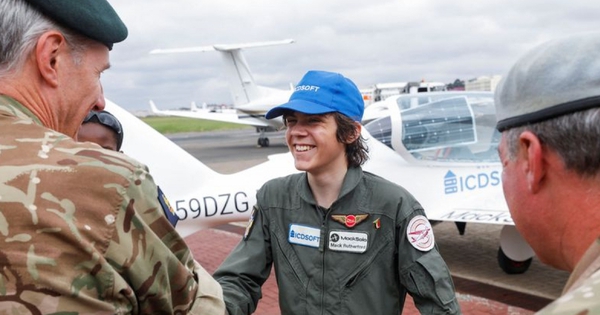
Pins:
x,y
442,126
438,124
381,129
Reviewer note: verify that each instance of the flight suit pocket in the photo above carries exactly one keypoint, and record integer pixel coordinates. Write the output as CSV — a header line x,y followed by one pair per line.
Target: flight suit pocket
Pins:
x,y
367,282
290,266
363,269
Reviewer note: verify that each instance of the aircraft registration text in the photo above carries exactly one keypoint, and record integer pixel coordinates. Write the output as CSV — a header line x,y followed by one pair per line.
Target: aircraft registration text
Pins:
x,y
208,206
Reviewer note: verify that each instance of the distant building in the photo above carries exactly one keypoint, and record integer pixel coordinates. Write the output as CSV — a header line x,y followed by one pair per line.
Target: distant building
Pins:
x,y
483,83
382,91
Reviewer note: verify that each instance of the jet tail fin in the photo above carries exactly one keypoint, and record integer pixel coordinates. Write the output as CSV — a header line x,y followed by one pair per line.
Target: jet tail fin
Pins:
x,y
242,85
154,109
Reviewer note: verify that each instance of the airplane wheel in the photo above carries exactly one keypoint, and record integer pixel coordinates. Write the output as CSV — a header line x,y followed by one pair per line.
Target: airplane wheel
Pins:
x,y
263,142
510,266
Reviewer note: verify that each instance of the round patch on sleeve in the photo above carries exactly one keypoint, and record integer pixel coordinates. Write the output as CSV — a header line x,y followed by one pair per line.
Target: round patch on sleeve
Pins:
x,y
420,233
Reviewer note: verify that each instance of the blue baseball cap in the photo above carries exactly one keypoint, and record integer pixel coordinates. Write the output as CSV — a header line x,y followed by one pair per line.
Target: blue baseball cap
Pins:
x,y
321,92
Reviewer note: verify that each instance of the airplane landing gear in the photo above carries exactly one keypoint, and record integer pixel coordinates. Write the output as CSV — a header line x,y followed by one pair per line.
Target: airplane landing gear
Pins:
x,y
512,267
514,254
263,142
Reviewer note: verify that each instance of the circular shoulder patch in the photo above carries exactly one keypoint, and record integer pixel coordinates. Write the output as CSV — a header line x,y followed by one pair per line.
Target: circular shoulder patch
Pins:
x,y
420,234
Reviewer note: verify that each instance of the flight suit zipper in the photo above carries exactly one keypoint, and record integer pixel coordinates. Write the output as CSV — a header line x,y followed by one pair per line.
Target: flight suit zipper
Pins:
x,y
323,240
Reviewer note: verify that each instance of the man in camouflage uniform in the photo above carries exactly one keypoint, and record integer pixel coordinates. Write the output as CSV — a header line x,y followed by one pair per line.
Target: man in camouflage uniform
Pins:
x,y
81,228
548,109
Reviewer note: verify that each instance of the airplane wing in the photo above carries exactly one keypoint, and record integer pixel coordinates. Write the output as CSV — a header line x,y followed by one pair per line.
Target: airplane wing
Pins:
x,y
221,47
231,117
450,185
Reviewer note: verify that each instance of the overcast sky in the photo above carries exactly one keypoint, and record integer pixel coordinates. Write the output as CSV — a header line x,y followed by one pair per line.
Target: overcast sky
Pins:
x,y
368,41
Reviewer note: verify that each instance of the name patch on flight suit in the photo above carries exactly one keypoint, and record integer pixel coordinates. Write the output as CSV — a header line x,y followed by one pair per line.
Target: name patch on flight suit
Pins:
x,y
344,241
304,235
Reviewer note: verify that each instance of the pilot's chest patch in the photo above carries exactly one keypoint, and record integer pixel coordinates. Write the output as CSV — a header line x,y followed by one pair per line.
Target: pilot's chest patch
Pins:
x,y
344,241
420,233
350,220
304,235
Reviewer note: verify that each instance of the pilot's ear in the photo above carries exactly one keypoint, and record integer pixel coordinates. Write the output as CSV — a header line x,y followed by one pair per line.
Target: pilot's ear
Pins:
x,y
534,162
356,134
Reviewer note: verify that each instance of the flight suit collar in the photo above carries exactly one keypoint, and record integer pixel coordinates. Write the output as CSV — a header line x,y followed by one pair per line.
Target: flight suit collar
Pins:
x,y
351,180
11,106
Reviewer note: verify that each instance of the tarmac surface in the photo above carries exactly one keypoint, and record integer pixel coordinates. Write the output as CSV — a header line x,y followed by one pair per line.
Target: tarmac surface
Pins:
x,y
482,287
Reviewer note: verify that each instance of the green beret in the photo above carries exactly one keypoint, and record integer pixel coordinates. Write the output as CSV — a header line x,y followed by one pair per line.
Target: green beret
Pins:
x,y
95,19
559,77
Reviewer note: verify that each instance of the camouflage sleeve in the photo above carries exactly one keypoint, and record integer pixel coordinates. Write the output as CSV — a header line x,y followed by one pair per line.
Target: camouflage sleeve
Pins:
x,y
82,231
581,300
154,260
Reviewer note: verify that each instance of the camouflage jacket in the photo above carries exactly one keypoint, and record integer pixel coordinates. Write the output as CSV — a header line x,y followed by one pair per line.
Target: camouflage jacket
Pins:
x,y
82,231
582,292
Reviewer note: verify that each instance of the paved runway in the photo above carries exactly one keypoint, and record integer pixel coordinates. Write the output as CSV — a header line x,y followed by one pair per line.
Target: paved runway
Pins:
x,y
471,257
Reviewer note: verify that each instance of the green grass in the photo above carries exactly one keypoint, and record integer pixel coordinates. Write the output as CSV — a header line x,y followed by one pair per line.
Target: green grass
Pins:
x,y
167,125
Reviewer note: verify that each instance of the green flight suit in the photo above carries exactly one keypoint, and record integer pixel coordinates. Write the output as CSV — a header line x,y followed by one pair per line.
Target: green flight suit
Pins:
x,y
356,257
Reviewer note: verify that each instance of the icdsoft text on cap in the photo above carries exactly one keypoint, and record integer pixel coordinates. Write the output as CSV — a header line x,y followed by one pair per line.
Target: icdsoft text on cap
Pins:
x,y
321,92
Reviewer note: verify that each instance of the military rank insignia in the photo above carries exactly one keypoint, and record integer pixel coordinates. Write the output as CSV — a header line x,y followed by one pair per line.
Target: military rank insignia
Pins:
x,y
350,220
167,209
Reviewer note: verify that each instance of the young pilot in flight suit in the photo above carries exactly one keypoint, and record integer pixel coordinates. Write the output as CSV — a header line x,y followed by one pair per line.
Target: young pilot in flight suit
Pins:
x,y
343,241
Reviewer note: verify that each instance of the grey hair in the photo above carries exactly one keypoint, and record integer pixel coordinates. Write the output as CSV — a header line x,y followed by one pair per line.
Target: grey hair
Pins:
x,y
574,137
21,27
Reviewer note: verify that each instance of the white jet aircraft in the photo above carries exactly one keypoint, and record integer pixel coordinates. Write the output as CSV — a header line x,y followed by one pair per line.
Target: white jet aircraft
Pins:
x,y
442,147
250,100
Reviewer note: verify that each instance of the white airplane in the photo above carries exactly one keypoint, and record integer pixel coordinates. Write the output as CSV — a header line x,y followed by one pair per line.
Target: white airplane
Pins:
x,y
250,100
442,147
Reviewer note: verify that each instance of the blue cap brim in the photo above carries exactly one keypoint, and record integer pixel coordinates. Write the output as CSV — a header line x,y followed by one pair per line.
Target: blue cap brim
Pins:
x,y
301,106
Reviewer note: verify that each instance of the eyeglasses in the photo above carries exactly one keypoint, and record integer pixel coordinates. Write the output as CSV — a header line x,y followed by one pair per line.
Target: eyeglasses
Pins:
x,y
107,119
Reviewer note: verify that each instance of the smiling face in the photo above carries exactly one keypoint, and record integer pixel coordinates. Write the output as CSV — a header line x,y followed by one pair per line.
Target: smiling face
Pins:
x,y
313,143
